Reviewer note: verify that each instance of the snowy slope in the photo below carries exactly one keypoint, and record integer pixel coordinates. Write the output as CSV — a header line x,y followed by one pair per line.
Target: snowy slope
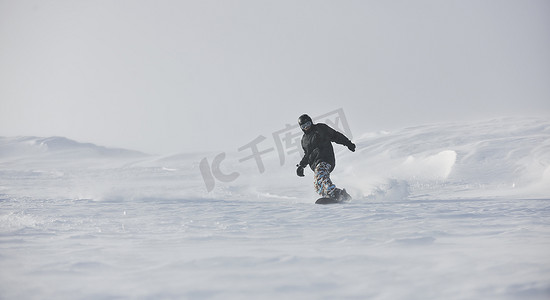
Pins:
x,y
442,211
497,158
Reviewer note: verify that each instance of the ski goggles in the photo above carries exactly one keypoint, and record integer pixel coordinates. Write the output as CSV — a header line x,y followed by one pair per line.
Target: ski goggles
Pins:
x,y
306,125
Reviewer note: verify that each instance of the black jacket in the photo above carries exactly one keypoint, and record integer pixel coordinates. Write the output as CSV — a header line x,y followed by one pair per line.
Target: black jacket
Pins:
x,y
317,145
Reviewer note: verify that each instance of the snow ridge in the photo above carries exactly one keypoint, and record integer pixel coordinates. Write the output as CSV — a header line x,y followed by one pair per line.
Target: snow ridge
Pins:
x,y
31,146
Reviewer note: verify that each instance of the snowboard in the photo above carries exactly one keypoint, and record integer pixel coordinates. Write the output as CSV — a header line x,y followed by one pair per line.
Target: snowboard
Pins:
x,y
344,197
327,201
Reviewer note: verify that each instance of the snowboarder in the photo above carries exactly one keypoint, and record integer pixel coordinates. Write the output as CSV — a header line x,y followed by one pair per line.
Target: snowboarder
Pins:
x,y
319,155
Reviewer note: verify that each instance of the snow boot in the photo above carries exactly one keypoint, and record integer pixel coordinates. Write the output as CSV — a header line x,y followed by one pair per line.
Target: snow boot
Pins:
x,y
340,195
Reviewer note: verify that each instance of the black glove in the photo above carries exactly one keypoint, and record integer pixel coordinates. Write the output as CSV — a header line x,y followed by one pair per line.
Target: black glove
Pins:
x,y
300,171
351,147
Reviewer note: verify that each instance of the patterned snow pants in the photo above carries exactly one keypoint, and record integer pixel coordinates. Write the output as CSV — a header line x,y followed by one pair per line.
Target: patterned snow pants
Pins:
x,y
323,184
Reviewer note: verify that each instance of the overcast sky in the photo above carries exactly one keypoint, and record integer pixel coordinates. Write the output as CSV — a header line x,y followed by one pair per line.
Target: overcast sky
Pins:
x,y
180,76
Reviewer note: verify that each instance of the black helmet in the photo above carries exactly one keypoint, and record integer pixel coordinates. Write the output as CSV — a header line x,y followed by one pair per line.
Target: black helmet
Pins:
x,y
305,122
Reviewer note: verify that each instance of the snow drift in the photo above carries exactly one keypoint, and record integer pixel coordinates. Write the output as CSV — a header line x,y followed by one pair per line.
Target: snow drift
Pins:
x,y
504,157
